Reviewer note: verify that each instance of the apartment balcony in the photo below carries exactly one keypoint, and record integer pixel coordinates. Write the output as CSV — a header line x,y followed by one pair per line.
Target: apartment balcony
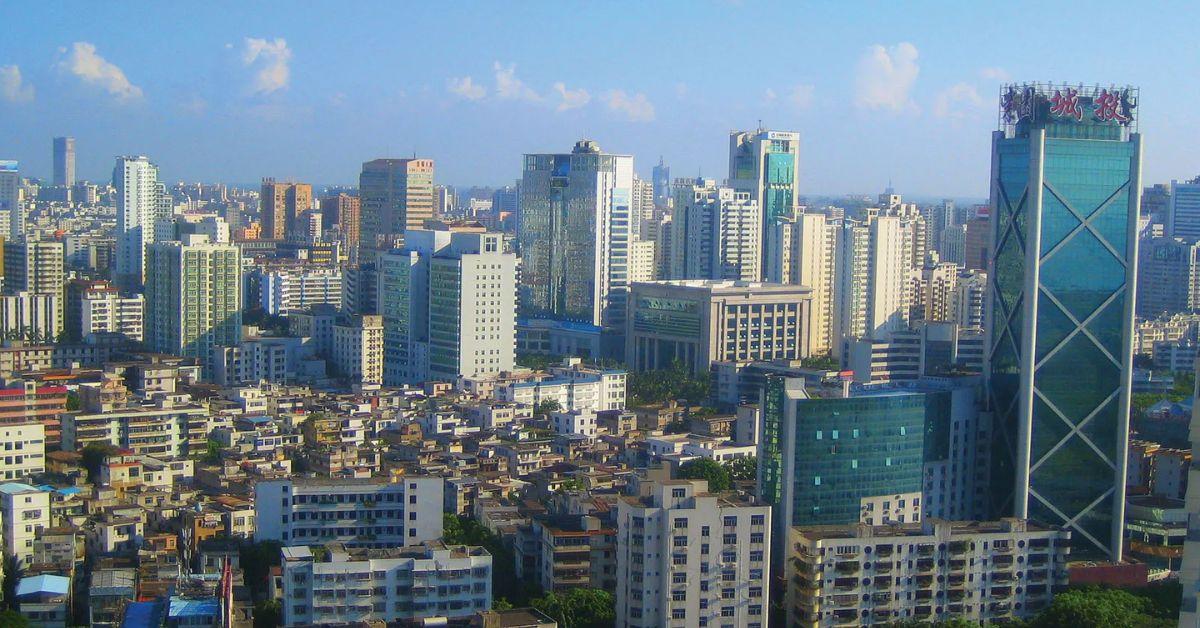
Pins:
x,y
956,580
926,565
955,609
1002,576
884,551
1001,592
1000,607
956,595
883,567
845,617
845,584
1002,561
883,599
846,600
957,566
848,567
924,582
923,611
882,581
923,595
926,549
1004,549
1038,560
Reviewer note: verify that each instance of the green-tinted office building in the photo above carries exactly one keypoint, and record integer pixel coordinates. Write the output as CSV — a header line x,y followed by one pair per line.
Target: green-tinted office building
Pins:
x,y
837,460
1066,180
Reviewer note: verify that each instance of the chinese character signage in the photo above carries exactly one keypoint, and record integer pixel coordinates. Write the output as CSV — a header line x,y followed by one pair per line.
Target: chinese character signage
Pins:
x,y
1062,104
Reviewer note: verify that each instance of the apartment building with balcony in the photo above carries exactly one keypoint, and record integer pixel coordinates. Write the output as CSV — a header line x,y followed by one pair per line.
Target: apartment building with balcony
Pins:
x,y
357,512
568,551
687,557
861,575
24,511
335,584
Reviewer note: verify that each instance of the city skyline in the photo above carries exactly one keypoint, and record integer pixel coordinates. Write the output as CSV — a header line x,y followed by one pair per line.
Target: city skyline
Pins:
x,y
892,99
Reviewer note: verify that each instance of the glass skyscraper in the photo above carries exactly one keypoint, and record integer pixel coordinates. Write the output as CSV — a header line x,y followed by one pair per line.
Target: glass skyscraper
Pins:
x,y
767,164
574,236
1065,184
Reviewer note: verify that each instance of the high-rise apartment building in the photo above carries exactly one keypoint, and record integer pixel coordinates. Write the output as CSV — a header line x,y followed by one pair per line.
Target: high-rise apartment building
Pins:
x,y
193,297
396,195
871,290
138,212
287,290
64,161
643,211
1066,183
687,557
805,254
767,164
34,266
448,301
285,207
718,231
344,211
574,235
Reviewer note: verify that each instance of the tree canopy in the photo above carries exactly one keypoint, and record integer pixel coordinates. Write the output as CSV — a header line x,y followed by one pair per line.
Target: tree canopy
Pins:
x,y
654,387
578,608
704,469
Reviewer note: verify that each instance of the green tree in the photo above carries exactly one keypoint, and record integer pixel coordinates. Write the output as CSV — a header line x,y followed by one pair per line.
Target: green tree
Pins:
x,y
12,619
73,404
267,614
501,604
743,469
546,406
654,387
457,530
256,561
578,608
94,455
212,452
1093,607
705,469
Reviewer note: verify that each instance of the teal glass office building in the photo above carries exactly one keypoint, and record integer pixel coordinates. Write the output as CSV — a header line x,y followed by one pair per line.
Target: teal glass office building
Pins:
x,y
820,457
1065,188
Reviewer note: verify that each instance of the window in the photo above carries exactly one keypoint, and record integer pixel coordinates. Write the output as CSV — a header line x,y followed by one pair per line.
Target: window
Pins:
x,y
758,520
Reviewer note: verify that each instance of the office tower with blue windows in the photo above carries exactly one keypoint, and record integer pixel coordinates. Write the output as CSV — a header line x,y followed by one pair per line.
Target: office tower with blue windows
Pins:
x,y
574,236
767,165
1065,185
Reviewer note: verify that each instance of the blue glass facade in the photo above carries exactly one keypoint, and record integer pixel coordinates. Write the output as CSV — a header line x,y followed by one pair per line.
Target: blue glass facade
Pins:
x,y
821,456
1065,193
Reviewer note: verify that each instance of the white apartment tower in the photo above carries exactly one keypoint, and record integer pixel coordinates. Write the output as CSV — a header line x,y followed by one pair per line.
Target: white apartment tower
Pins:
x,y
193,297
138,211
717,233
872,288
686,557
448,301
805,253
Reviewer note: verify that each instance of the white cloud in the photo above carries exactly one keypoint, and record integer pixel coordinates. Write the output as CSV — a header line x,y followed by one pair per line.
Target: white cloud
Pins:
x,y
885,77
194,106
635,107
466,88
571,98
801,96
509,87
770,95
995,74
957,102
681,90
271,57
93,69
12,87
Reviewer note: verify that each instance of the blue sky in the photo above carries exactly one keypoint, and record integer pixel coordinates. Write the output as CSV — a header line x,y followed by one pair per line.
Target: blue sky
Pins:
x,y
308,90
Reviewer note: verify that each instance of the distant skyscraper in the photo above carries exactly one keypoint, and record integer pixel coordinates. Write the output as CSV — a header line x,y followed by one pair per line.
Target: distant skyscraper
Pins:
x,y
396,195
661,178
193,297
1183,215
345,211
1168,277
285,207
767,164
64,161
137,192
574,235
642,213
718,231
10,197
1066,181
806,254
